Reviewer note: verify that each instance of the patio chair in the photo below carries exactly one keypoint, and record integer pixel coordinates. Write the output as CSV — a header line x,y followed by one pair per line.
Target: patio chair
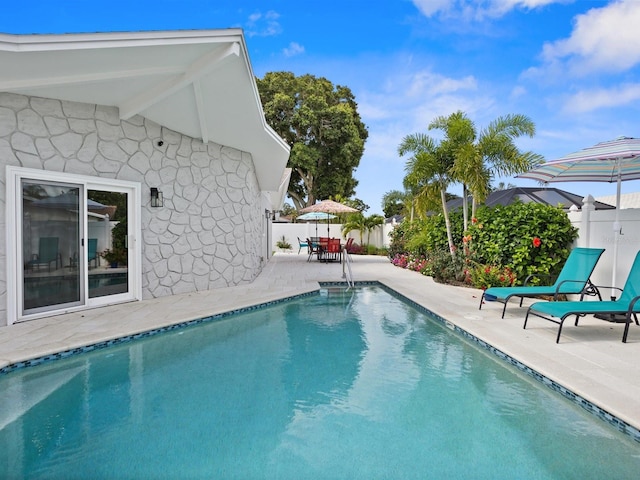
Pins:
x,y
92,251
333,252
313,248
627,305
302,245
47,254
573,279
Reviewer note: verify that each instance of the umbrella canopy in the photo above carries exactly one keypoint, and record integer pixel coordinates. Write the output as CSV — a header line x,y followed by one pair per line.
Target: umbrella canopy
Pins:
x,y
328,206
316,216
612,161
66,201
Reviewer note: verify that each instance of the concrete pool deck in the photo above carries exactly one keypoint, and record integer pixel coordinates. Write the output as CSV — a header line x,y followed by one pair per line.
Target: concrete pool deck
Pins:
x,y
590,360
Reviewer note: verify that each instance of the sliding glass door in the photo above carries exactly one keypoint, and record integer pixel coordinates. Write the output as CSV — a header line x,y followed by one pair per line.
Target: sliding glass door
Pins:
x,y
107,243
51,232
74,242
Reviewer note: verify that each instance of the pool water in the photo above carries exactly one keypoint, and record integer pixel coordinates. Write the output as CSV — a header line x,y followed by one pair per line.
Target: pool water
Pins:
x,y
342,385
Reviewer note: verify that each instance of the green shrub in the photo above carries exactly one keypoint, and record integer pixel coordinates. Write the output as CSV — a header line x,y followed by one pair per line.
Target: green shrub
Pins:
x,y
529,238
447,269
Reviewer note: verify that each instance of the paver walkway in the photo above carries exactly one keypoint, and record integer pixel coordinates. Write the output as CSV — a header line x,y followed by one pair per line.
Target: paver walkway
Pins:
x,y
590,360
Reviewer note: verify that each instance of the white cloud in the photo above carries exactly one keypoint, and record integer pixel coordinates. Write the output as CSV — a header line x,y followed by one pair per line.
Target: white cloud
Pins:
x,y
518,92
476,9
430,7
589,100
263,24
603,40
407,102
431,84
293,49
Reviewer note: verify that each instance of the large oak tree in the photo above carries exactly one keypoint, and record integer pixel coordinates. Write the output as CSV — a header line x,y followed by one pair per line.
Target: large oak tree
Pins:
x,y
322,125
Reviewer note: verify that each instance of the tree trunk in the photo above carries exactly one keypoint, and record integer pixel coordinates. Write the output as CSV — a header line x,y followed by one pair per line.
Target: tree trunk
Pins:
x,y
452,248
465,208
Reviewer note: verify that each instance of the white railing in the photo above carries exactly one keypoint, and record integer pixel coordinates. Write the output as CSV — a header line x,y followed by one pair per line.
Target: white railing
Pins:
x,y
346,268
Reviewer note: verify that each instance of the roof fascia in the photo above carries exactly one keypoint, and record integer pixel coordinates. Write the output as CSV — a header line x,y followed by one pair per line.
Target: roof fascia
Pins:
x,y
78,41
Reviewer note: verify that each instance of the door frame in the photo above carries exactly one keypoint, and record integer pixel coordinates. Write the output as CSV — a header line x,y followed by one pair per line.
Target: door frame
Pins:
x,y
14,177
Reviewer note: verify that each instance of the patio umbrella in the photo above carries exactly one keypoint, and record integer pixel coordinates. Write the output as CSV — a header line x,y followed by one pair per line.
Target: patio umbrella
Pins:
x,y
612,161
316,216
329,206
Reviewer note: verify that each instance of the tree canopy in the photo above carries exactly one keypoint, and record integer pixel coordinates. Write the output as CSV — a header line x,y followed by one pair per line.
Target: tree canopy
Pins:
x,y
393,202
321,124
464,156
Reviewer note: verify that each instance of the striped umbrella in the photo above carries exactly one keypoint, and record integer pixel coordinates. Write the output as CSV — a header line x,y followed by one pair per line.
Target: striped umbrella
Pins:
x,y
613,161
329,206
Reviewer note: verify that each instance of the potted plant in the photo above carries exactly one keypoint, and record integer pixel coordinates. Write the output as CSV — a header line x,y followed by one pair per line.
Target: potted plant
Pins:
x,y
283,244
115,257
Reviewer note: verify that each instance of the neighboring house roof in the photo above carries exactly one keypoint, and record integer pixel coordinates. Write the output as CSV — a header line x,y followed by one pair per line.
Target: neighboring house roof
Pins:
x,y
545,195
627,200
394,219
199,83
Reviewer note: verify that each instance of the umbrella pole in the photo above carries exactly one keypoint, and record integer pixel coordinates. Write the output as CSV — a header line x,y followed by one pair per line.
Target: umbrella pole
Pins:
x,y
617,231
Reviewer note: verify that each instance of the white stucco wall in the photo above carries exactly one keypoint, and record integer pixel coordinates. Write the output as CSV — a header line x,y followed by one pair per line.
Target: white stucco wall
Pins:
x,y
210,232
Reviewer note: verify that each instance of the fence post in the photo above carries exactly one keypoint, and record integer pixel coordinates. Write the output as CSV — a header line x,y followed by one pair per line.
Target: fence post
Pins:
x,y
587,207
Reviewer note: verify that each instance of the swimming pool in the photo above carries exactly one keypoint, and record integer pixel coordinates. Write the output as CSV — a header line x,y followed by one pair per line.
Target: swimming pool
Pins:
x,y
345,384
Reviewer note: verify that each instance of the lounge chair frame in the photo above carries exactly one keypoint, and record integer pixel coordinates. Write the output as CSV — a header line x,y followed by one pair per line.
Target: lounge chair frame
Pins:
x,y
562,286
584,309
625,305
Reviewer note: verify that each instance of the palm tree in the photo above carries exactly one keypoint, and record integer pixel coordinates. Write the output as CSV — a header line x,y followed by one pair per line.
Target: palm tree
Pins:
x,y
479,157
428,175
356,221
370,223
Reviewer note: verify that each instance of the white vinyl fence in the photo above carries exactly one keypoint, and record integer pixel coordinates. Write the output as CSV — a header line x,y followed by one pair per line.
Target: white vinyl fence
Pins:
x,y
294,231
598,230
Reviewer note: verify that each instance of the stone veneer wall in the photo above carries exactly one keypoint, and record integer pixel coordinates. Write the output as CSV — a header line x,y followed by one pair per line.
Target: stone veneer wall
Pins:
x,y
209,232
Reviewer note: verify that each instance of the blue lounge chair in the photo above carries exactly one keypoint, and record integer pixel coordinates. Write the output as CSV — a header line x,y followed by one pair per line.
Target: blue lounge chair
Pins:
x,y
573,279
92,251
627,305
47,254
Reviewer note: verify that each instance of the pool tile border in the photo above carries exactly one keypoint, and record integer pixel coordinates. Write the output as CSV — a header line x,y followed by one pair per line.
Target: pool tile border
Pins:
x,y
590,407
147,333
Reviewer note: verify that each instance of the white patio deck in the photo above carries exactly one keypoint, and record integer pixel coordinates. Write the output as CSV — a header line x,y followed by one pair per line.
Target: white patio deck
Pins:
x,y
590,360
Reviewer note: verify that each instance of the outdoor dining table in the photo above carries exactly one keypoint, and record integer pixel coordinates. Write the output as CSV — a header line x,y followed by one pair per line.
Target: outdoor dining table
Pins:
x,y
327,249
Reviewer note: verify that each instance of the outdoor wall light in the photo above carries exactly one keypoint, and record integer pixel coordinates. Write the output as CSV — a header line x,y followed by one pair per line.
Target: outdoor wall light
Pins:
x,y
156,198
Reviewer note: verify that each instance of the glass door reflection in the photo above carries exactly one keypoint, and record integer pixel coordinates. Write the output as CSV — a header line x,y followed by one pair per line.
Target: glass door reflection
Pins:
x,y
51,225
107,252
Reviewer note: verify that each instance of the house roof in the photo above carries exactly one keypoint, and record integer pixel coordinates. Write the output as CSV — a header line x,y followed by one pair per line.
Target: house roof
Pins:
x,y
199,83
549,196
627,200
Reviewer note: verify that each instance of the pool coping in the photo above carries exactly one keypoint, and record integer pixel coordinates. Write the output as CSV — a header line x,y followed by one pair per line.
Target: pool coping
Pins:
x,y
587,405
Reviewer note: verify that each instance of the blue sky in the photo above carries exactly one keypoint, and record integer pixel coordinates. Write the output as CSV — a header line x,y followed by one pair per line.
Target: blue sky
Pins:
x,y
571,66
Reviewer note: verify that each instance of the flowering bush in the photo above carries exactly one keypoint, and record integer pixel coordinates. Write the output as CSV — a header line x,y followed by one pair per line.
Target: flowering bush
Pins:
x,y
417,263
485,276
529,238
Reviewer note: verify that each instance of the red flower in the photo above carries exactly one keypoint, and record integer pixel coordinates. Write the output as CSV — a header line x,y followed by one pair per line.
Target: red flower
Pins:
x,y
536,242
